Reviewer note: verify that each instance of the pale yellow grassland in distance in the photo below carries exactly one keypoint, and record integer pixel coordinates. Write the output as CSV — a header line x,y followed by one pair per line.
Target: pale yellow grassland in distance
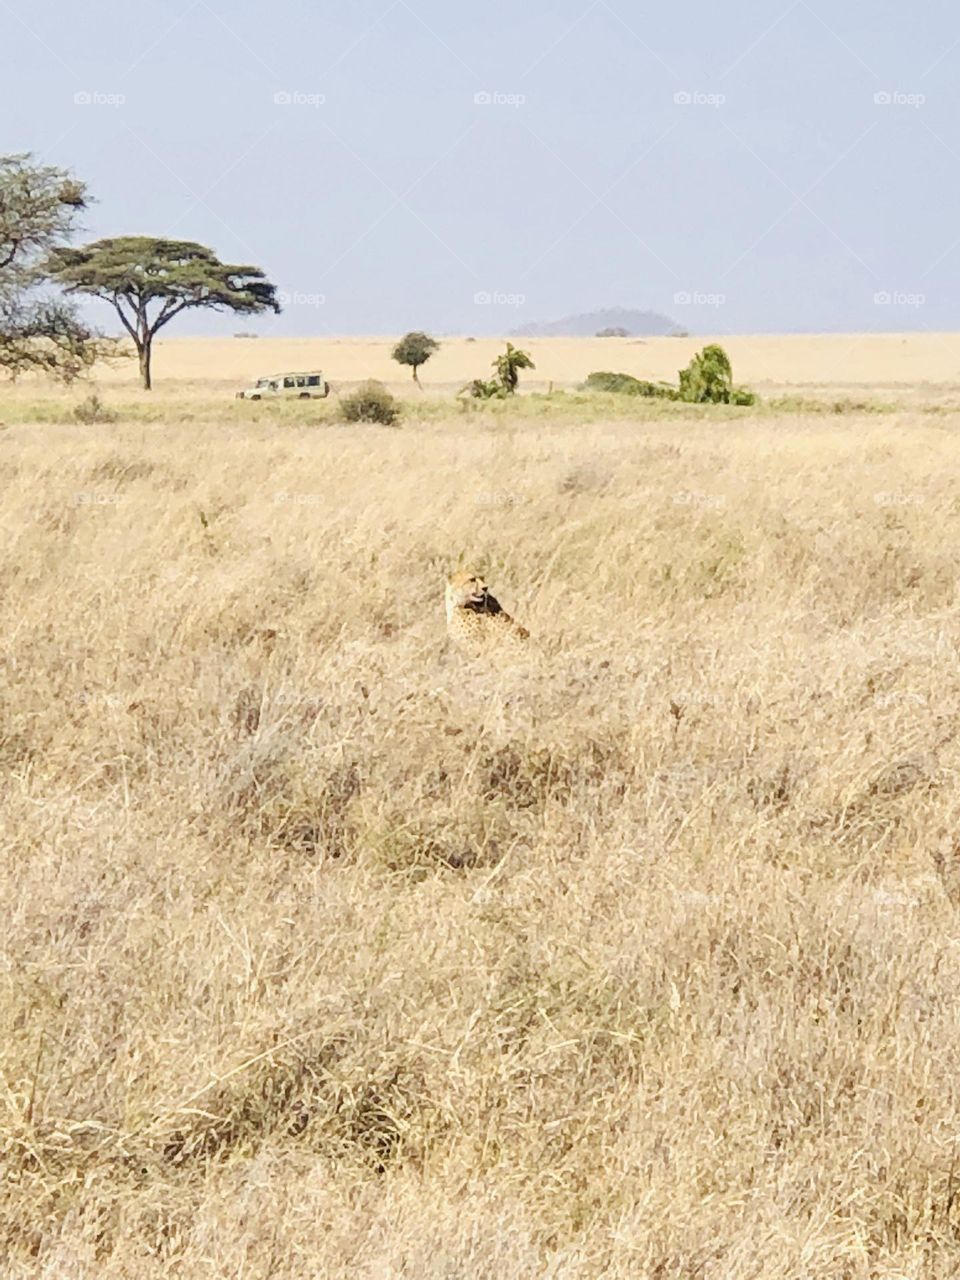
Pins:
x,y
202,366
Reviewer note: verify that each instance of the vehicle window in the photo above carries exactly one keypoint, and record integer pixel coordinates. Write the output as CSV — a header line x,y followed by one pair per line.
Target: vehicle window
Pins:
x,y
313,380
289,382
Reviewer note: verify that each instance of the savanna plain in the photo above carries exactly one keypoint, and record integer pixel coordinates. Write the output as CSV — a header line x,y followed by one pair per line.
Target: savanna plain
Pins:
x,y
328,952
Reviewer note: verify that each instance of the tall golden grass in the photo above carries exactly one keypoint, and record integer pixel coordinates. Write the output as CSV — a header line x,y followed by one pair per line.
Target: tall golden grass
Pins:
x,y
328,954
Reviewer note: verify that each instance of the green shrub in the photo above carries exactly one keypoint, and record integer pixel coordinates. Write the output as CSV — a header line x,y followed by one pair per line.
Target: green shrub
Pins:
x,y
707,379
370,402
508,368
481,389
626,384
92,410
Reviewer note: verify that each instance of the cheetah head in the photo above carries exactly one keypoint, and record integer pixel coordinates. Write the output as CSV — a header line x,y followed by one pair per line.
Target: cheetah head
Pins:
x,y
465,590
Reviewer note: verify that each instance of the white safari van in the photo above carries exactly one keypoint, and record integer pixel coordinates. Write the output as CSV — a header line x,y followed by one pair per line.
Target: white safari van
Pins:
x,y
288,386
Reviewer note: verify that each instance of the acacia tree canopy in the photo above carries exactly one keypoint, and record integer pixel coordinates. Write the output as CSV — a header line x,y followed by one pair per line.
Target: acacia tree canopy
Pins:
x,y
415,349
39,207
148,281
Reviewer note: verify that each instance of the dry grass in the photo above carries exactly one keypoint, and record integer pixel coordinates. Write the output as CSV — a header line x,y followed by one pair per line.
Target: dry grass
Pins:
x,y
328,954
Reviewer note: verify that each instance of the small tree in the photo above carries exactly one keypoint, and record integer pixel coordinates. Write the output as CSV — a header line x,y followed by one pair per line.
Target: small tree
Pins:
x,y
39,207
708,377
508,376
508,367
415,349
148,281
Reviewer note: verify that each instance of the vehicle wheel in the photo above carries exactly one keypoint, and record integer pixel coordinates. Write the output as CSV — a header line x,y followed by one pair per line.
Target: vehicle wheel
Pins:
x,y
304,395
254,397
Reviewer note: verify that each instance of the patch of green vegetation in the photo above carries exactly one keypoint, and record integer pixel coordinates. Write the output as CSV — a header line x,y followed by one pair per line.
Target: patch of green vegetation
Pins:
x,y
627,385
505,384
707,379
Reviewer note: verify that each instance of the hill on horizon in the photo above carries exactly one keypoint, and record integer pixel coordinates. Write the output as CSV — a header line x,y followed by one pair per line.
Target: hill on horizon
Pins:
x,y
587,324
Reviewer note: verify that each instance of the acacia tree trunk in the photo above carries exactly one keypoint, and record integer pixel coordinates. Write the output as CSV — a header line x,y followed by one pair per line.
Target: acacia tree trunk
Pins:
x,y
415,378
143,352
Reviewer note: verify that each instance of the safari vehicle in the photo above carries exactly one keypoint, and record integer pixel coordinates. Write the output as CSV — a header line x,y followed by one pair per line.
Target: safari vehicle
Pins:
x,y
288,386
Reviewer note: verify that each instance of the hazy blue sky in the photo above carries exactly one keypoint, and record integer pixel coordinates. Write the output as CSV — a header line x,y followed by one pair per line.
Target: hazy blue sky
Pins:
x,y
782,196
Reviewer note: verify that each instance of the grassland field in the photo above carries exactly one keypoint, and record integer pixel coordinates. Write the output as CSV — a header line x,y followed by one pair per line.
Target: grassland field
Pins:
x,y
327,953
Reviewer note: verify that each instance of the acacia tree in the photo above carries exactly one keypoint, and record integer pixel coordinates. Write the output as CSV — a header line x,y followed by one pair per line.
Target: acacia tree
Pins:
x,y
39,207
415,349
149,281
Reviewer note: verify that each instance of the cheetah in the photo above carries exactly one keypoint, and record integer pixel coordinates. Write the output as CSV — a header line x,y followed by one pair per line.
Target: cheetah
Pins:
x,y
475,620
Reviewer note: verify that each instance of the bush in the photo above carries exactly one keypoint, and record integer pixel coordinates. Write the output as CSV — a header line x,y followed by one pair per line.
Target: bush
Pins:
x,y
614,331
481,389
92,410
508,368
627,385
371,402
707,379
